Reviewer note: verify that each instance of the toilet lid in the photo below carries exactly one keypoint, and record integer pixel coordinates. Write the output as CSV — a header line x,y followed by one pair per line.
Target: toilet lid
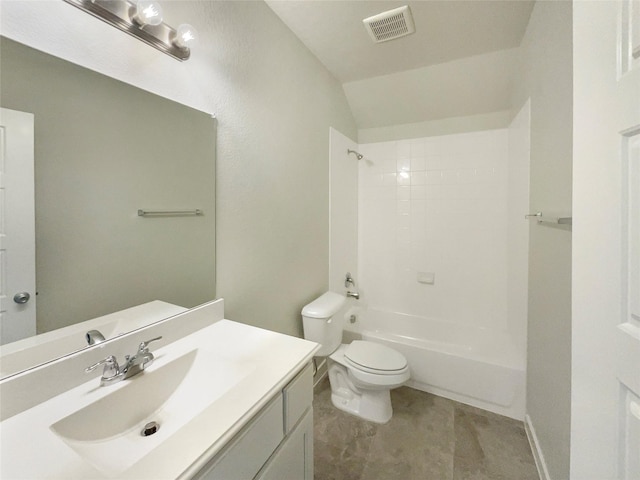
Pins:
x,y
374,356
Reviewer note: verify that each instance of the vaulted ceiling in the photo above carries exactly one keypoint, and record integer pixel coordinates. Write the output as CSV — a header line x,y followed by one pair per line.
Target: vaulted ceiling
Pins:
x,y
447,32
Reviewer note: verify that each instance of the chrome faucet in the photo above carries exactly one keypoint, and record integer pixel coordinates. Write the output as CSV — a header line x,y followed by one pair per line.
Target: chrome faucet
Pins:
x,y
348,281
113,373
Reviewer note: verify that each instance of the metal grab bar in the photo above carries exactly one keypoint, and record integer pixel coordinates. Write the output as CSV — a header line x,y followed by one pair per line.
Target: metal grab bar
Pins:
x,y
168,213
552,220
558,221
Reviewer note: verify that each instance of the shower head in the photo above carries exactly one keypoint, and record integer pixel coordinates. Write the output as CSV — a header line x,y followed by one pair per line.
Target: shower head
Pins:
x,y
358,155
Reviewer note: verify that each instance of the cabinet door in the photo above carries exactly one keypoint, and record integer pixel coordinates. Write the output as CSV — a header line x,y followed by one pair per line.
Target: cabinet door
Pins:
x,y
246,454
297,397
294,458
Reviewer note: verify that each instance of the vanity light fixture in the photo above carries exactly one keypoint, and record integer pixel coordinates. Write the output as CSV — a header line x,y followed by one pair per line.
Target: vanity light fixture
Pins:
x,y
186,36
148,13
143,20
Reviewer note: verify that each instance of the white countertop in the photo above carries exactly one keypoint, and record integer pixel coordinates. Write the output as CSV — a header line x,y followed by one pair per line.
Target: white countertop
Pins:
x,y
31,450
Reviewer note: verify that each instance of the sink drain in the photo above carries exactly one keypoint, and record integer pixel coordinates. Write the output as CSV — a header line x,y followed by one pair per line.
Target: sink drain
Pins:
x,y
150,428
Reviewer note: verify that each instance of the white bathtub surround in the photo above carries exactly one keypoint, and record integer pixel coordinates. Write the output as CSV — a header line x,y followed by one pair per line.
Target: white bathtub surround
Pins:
x,y
442,263
436,205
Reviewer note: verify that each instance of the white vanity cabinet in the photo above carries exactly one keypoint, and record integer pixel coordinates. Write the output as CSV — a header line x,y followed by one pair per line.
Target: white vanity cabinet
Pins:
x,y
233,401
276,444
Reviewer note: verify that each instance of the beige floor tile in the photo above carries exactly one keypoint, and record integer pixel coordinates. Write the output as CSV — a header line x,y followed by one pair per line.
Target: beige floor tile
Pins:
x,y
428,438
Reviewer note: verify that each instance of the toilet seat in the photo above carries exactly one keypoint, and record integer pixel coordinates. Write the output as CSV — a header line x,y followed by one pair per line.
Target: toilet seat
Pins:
x,y
362,390
374,358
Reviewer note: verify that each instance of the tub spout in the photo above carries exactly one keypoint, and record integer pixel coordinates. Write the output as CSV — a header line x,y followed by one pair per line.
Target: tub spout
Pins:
x,y
355,295
93,337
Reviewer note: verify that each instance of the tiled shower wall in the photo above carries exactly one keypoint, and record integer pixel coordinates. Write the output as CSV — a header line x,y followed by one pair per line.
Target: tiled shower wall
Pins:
x,y
432,238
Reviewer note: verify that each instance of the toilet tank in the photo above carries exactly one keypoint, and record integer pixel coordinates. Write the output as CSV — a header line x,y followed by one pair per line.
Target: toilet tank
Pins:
x,y
320,326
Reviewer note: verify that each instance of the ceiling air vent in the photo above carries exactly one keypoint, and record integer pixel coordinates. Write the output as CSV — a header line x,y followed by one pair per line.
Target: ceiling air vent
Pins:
x,y
386,26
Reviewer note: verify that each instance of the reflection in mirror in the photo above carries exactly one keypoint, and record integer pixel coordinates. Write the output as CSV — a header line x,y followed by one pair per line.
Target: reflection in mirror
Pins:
x,y
104,150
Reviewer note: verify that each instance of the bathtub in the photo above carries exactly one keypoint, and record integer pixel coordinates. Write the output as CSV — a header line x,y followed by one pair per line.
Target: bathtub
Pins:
x,y
469,365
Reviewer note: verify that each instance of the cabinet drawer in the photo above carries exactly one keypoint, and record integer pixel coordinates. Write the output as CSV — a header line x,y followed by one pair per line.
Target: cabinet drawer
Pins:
x,y
246,453
297,395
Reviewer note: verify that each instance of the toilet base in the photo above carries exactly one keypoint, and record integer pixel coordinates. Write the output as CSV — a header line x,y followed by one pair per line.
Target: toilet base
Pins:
x,y
372,405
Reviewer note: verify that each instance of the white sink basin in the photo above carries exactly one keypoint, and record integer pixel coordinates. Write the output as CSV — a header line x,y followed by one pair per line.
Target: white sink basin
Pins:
x,y
201,389
107,432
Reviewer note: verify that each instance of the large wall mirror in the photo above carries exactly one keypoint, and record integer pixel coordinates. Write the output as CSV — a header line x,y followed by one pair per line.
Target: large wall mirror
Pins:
x,y
104,150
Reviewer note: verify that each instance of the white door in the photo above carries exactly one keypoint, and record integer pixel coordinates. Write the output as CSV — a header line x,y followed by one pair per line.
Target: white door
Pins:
x,y
17,227
605,416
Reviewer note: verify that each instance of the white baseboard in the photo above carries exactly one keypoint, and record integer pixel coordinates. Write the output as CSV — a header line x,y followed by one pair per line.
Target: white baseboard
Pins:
x,y
541,465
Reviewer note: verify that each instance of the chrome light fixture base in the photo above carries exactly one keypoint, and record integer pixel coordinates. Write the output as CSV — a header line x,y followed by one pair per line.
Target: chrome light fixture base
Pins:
x,y
120,13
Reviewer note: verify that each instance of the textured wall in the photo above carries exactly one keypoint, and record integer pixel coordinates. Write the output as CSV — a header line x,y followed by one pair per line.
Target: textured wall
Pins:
x,y
274,103
343,248
545,76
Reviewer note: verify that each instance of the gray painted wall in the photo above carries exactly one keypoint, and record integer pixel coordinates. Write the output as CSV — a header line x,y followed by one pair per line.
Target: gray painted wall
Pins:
x,y
273,171
545,75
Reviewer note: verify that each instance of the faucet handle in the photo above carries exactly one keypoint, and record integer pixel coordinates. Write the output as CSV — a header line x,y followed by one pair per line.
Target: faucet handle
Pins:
x,y
348,280
111,366
143,345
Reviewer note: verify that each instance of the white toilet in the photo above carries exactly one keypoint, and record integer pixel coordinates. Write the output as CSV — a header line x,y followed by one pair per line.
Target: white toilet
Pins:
x,y
361,373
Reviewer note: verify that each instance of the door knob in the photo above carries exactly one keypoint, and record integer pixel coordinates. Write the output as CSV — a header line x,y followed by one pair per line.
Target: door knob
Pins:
x,y
22,297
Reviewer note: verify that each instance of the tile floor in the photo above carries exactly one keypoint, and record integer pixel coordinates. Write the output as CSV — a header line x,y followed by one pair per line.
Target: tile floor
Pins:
x,y
428,438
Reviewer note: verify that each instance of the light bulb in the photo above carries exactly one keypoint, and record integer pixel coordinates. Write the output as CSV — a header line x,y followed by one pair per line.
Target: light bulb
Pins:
x,y
148,13
186,36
